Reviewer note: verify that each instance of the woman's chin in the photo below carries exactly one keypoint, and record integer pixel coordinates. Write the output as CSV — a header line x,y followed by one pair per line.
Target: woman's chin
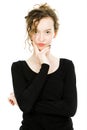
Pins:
x,y
40,48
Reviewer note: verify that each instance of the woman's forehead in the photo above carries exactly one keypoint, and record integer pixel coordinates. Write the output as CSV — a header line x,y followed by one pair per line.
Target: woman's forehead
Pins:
x,y
45,23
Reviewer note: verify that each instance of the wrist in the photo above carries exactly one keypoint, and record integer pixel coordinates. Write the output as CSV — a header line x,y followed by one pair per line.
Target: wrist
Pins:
x,y
45,61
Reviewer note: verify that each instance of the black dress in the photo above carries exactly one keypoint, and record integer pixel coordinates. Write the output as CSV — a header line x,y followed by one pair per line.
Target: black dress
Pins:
x,y
48,101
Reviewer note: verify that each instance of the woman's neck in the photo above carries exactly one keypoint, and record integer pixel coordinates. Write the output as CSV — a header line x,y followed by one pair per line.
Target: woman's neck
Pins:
x,y
36,60
35,64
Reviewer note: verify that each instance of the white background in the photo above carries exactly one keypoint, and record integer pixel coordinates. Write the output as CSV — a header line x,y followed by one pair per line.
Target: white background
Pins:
x,y
70,43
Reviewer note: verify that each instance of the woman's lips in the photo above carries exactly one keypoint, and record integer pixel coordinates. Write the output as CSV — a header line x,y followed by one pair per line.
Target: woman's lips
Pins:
x,y
41,44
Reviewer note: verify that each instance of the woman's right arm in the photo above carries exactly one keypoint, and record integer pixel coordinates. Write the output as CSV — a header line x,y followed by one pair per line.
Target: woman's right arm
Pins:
x,y
27,93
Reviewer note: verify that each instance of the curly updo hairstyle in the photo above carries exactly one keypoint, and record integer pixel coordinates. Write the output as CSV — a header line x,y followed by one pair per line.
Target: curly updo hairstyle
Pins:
x,y
36,14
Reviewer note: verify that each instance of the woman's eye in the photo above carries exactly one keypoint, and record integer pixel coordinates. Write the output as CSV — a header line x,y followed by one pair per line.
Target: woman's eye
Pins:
x,y
48,32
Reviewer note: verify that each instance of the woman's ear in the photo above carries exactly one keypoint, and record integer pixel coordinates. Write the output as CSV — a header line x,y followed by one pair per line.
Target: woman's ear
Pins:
x,y
54,35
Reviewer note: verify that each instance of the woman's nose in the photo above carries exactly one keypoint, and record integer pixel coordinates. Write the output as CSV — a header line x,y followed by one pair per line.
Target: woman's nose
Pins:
x,y
41,37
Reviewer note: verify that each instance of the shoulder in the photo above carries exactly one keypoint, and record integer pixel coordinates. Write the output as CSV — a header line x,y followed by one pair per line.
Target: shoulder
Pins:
x,y
68,68
67,63
17,64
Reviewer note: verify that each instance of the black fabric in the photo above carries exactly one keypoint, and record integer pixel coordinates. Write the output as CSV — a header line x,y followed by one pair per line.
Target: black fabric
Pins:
x,y
46,94
47,122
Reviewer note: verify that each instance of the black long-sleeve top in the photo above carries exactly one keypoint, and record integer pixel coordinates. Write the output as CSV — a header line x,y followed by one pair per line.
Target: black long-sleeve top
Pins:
x,y
53,94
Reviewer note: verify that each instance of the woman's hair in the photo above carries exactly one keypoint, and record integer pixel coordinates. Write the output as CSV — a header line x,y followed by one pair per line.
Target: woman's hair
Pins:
x,y
36,14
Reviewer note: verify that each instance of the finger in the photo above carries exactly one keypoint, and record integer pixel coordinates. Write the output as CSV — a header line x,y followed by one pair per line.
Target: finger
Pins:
x,y
11,101
45,50
35,49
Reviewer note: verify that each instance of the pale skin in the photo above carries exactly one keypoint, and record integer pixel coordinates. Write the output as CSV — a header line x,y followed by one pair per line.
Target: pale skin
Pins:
x,y
41,41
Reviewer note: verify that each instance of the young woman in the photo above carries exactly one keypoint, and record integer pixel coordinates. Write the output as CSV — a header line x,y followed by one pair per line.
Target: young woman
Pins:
x,y
44,85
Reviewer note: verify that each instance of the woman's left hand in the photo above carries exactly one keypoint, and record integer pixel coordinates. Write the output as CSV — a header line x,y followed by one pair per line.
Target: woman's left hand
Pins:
x,y
12,99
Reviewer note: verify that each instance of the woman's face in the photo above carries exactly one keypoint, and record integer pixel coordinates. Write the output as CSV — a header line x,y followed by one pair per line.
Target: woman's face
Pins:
x,y
44,33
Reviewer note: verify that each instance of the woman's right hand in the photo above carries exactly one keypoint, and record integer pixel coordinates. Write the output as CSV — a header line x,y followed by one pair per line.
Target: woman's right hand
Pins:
x,y
42,55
